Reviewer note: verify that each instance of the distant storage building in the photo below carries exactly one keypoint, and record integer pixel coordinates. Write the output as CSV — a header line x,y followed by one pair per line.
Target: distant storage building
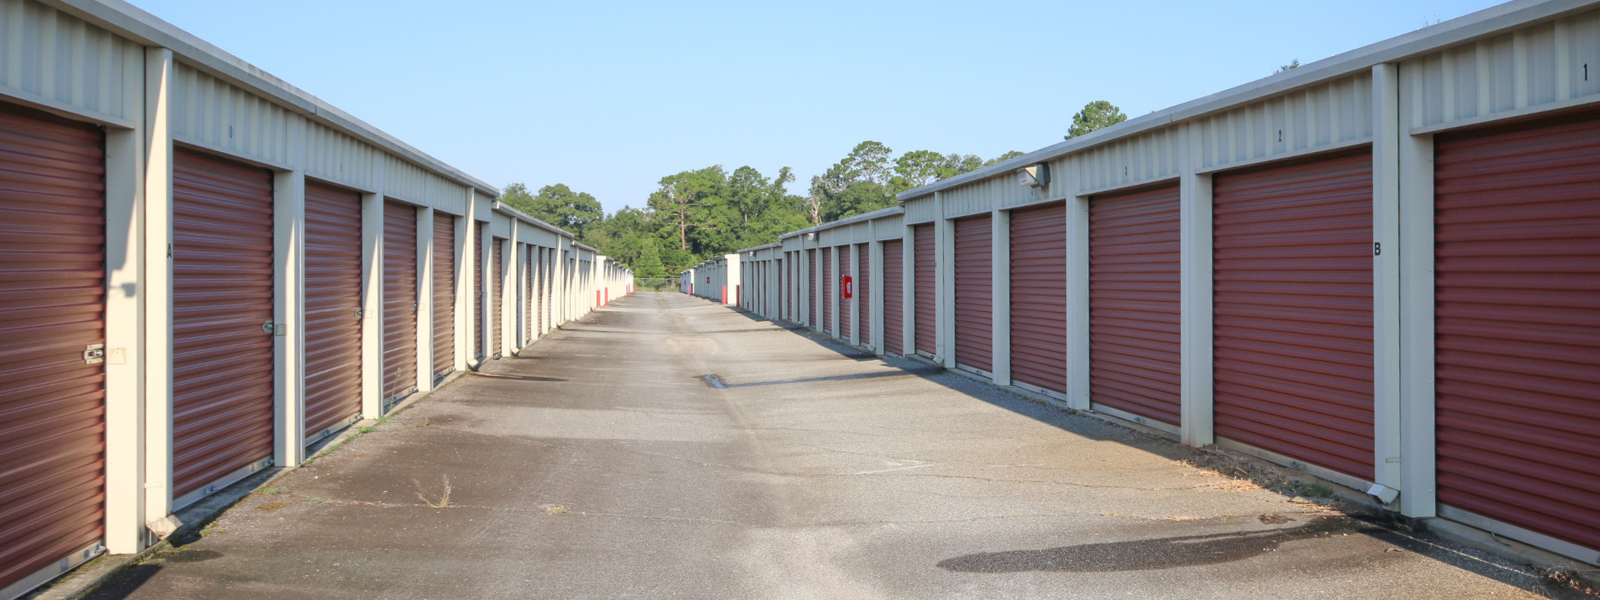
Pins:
x,y
1382,268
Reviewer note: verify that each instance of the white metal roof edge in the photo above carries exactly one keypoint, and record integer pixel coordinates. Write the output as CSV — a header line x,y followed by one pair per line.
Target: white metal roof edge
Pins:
x,y
502,208
882,212
135,23
1484,23
758,248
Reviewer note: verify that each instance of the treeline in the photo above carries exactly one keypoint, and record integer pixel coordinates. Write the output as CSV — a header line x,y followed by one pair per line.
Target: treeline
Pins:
x,y
698,214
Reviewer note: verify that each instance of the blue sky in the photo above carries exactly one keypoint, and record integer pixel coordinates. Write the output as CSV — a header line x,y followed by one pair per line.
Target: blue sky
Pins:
x,y
610,97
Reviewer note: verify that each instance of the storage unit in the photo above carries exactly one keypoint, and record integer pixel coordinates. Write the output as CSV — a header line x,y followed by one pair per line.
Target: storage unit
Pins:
x,y
1517,296
894,307
52,311
333,310
399,301
926,278
478,283
975,293
444,294
222,323
1135,352
1293,304
863,292
497,275
1039,297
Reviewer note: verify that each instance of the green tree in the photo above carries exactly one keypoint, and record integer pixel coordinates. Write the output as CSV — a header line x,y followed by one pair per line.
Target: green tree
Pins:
x,y
1293,64
858,198
1095,116
557,205
649,263
682,201
1003,157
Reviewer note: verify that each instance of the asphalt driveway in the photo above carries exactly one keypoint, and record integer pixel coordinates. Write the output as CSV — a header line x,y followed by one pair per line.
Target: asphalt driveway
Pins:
x,y
606,464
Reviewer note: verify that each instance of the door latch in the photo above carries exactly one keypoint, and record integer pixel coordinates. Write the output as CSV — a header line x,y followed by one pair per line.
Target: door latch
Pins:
x,y
266,326
94,354
360,313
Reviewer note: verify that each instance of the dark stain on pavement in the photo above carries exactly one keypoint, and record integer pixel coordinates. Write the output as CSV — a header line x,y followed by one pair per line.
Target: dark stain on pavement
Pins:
x,y
1144,555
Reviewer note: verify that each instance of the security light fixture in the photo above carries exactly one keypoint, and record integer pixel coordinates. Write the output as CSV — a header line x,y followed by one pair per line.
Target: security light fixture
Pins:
x,y
1035,175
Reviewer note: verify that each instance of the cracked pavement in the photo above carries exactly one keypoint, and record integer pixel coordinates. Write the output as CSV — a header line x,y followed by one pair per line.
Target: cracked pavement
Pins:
x,y
603,464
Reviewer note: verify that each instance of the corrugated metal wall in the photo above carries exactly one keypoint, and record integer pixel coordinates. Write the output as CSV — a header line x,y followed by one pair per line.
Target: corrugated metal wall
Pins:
x,y
1293,304
222,295
404,180
975,293
52,308
56,57
1140,159
1321,116
339,158
977,197
212,113
926,278
1517,292
919,210
1039,297
333,309
1134,303
1536,66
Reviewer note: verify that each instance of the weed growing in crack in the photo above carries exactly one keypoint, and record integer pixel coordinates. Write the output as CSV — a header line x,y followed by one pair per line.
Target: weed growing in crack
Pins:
x,y
444,499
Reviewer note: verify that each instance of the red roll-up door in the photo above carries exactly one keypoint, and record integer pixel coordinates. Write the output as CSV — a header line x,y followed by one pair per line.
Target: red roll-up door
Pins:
x,y
399,301
811,288
477,302
864,292
496,276
444,294
1134,303
1039,297
1293,305
843,255
333,310
52,310
222,252
925,259
975,293
894,307
1517,317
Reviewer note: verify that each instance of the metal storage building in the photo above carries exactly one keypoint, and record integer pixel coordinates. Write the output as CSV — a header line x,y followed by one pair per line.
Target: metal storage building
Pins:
x,y
207,270
1379,268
